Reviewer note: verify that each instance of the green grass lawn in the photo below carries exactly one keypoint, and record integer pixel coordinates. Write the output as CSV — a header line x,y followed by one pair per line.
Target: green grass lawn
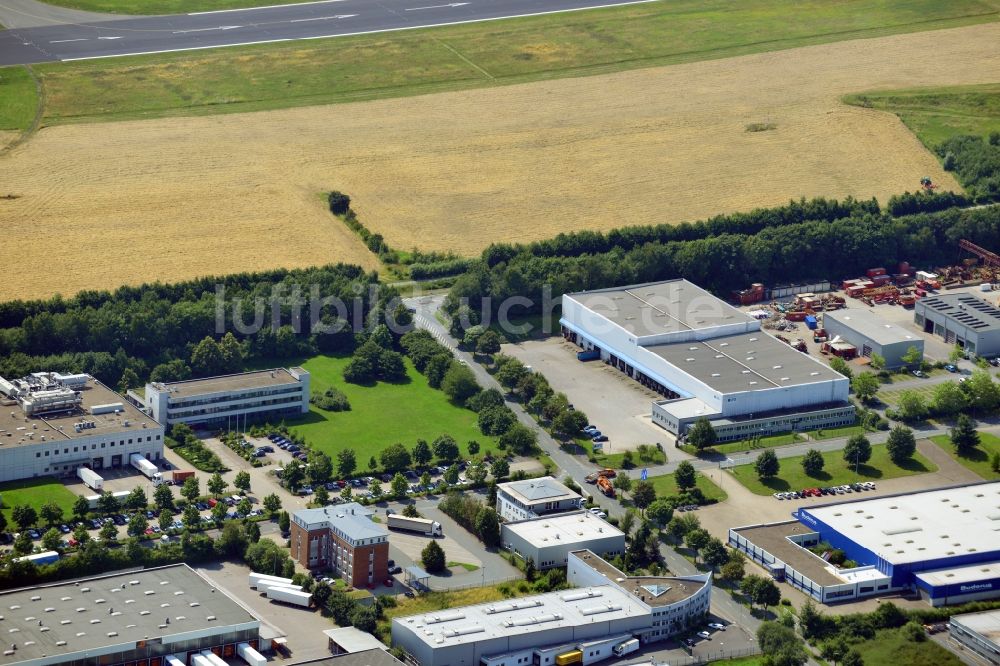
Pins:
x,y
834,433
891,397
935,114
464,565
770,441
979,459
836,472
466,56
890,647
383,414
35,493
18,99
653,456
666,486
740,661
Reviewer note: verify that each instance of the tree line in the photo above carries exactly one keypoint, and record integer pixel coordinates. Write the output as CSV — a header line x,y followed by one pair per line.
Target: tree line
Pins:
x,y
774,255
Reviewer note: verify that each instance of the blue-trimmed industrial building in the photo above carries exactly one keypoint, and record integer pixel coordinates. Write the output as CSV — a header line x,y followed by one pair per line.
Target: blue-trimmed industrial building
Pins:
x,y
943,544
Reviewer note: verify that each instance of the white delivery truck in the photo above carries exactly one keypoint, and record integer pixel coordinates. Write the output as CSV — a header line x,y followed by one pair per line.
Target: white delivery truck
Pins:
x,y
249,655
199,660
627,647
92,479
424,526
262,580
288,596
147,468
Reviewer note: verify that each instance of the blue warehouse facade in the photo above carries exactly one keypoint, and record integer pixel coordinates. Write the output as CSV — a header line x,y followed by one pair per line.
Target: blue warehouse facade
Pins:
x,y
944,544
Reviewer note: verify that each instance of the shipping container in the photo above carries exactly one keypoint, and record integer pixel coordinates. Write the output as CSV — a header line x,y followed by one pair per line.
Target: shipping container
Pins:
x,y
90,478
179,476
811,322
874,272
588,355
174,660
566,658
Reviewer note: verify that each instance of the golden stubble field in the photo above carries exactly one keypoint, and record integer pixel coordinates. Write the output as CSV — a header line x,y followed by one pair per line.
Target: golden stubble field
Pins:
x,y
113,203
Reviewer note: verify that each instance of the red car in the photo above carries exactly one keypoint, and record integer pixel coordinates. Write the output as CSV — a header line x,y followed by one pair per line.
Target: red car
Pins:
x,y
389,582
212,501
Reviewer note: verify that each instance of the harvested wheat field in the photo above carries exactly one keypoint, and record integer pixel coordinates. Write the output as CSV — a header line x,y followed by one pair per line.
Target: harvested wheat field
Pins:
x,y
173,198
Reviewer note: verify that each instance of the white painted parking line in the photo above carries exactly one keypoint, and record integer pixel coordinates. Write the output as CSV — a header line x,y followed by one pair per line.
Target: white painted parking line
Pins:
x,y
109,38
63,41
323,18
252,9
451,4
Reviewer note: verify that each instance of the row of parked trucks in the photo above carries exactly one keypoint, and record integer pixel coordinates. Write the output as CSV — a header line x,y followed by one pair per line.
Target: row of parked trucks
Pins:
x,y
281,589
95,481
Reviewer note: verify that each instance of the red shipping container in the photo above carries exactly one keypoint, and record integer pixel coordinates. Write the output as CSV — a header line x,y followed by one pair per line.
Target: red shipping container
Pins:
x,y
873,272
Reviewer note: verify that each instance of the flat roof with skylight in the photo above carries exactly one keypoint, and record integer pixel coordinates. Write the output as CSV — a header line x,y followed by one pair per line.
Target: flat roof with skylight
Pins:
x,y
660,307
937,524
872,326
744,362
75,619
565,528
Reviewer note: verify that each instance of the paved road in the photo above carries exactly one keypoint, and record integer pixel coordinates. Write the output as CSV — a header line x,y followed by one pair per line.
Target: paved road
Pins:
x,y
310,20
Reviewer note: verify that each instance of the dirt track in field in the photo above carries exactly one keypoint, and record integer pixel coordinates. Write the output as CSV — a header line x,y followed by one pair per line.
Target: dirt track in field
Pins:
x,y
175,198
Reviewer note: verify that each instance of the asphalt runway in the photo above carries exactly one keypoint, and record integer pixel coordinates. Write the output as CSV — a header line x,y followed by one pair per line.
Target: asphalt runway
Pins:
x,y
310,20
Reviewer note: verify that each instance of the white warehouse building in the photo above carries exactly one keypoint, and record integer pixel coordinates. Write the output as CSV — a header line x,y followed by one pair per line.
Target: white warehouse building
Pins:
x,y
547,541
707,358
579,626
218,401
51,424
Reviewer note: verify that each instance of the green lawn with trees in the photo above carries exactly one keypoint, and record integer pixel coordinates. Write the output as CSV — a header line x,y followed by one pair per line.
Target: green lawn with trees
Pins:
x,y
836,471
464,56
35,493
892,646
978,459
383,414
666,486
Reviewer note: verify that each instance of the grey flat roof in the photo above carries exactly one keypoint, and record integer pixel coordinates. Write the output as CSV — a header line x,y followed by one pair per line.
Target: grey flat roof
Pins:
x,y
774,539
873,327
967,574
227,383
136,605
533,491
652,590
352,518
965,309
48,425
573,528
986,624
373,657
745,362
660,307
922,526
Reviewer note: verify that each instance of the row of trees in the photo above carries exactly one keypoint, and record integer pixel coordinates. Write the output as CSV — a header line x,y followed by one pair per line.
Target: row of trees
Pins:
x,y
900,445
978,393
171,332
799,251
976,162
474,515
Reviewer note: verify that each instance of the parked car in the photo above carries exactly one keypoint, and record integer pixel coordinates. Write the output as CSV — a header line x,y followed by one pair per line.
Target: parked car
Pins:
x,y
389,582
716,625
600,438
951,367
396,570
704,634
919,373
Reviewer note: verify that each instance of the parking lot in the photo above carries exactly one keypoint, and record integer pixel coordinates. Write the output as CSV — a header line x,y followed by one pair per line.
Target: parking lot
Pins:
x,y
731,640
617,405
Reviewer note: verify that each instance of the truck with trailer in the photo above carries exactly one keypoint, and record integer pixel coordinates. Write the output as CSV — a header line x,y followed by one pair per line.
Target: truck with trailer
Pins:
x,y
90,478
423,526
605,486
627,647
147,468
45,557
295,597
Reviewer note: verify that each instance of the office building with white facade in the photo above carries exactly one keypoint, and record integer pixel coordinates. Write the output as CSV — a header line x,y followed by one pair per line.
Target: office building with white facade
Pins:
x,y
138,618
942,544
708,359
51,424
577,626
530,498
230,400
548,540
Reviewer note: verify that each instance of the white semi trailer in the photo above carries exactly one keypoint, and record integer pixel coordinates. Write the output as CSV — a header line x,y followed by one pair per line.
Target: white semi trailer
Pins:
x,y
423,526
288,596
147,468
256,579
249,655
90,478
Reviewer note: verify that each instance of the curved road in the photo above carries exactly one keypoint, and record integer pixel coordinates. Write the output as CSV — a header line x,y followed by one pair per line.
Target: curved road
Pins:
x,y
119,36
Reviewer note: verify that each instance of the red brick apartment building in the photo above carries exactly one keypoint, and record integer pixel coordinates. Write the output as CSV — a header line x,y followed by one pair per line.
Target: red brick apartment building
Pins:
x,y
343,539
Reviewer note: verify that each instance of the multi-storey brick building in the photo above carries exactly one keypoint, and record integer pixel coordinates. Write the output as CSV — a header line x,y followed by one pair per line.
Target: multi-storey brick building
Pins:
x,y
343,539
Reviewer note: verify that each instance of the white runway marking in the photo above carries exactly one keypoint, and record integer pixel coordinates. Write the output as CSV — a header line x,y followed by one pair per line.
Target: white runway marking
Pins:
x,y
63,41
323,18
452,4
221,27
250,9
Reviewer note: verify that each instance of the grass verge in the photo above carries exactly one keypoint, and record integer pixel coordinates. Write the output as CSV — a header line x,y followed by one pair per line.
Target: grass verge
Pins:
x,y
936,114
666,486
35,493
464,565
890,647
383,414
768,442
18,99
835,472
617,460
977,460
415,62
